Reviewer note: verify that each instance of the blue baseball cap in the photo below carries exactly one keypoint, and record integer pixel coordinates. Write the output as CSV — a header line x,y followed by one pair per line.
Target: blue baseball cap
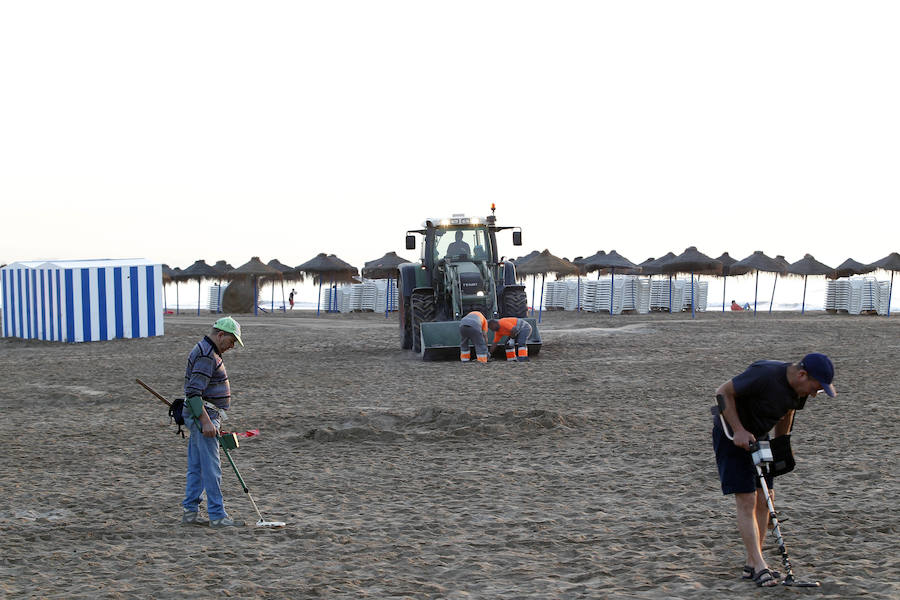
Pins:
x,y
819,367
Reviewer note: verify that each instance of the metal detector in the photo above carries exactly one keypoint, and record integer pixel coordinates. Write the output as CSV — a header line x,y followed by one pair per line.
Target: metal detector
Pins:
x,y
230,441
761,453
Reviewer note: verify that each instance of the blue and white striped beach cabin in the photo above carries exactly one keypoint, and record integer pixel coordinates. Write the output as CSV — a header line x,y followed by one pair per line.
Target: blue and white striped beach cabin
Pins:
x,y
82,300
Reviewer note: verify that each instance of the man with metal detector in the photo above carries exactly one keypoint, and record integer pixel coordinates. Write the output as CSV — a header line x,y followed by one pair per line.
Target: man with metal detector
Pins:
x,y
207,398
760,401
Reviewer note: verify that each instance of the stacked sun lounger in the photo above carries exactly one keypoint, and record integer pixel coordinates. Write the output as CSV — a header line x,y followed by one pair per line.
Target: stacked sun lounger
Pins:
x,y
857,295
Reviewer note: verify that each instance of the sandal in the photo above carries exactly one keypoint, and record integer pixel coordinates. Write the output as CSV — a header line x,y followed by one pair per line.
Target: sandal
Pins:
x,y
764,578
748,573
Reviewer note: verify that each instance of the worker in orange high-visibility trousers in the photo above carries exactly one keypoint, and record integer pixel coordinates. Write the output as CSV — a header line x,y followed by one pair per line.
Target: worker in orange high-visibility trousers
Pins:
x,y
515,329
473,331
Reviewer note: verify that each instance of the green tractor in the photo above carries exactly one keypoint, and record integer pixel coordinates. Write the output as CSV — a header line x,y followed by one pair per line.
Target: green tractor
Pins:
x,y
460,271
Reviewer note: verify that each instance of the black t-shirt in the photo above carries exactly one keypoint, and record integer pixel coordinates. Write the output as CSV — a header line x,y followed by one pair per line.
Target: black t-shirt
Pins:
x,y
763,396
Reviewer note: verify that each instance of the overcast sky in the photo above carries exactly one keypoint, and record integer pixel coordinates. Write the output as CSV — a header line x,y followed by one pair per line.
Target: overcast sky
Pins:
x,y
182,130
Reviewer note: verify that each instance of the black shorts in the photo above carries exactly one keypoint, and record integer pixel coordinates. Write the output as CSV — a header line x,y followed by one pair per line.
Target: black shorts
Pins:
x,y
736,470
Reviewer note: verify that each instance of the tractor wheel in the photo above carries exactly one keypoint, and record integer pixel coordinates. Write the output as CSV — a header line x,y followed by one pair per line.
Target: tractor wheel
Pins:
x,y
405,325
422,312
515,303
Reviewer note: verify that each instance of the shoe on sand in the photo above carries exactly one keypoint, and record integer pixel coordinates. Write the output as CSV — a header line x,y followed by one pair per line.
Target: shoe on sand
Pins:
x,y
225,522
764,578
749,574
192,517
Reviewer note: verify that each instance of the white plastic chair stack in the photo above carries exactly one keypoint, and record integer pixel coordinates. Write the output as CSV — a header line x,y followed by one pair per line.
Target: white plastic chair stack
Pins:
x,y
570,301
659,294
830,293
590,295
596,295
884,293
216,291
554,294
641,293
857,295
701,289
356,296
380,287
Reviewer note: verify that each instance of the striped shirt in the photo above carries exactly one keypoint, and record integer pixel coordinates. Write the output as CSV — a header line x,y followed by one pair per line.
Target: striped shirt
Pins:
x,y
205,375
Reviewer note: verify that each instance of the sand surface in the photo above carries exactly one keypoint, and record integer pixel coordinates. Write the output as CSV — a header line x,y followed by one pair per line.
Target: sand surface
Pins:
x,y
586,473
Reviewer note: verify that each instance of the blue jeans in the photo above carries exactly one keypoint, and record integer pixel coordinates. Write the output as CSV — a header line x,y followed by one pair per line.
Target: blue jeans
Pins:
x,y
204,470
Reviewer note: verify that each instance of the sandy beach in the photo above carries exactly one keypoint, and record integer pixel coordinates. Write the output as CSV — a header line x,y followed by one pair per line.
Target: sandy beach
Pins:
x,y
585,473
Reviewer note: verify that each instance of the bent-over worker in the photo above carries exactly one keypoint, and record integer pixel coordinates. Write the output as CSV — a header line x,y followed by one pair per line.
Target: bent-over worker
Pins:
x,y
516,329
473,331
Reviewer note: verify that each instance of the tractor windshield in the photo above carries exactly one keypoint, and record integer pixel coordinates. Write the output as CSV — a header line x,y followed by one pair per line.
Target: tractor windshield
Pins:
x,y
462,244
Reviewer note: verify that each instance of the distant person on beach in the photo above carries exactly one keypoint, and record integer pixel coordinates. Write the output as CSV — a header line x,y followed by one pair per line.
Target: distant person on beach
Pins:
x,y
517,330
473,331
458,247
208,396
757,403
735,306
291,298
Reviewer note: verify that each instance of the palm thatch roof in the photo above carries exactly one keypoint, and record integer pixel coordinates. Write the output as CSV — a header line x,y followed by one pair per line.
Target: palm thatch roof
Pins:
x,y
287,272
809,266
758,261
254,268
327,266
727,262
223,267
849,267
545,263
692,261
654,267
891,262
384,267
612,260
199,270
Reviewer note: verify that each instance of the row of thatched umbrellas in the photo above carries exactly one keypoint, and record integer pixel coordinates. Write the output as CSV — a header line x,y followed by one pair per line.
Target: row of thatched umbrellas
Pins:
x,y
322,267
696,263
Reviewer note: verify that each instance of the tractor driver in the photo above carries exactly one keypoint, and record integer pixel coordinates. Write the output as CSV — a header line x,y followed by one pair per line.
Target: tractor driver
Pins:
x,y
459,247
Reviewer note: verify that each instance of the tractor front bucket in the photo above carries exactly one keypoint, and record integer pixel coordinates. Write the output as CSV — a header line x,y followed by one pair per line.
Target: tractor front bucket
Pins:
x,y
440,340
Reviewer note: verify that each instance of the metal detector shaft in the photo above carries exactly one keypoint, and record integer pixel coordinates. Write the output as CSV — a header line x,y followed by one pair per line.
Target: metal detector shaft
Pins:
x,y
241,479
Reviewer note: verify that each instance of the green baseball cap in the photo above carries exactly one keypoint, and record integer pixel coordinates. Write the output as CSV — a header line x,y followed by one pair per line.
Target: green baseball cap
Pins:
x,y
229,325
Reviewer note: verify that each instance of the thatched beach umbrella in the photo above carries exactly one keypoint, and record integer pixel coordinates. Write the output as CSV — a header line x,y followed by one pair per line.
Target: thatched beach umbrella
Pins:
x,y
891,263
726,261
653,266
542,264
518,262
611,261
253,269
199,271
386,267
327,266
758,261
807,266
285,272
847,268
691,261
223,269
